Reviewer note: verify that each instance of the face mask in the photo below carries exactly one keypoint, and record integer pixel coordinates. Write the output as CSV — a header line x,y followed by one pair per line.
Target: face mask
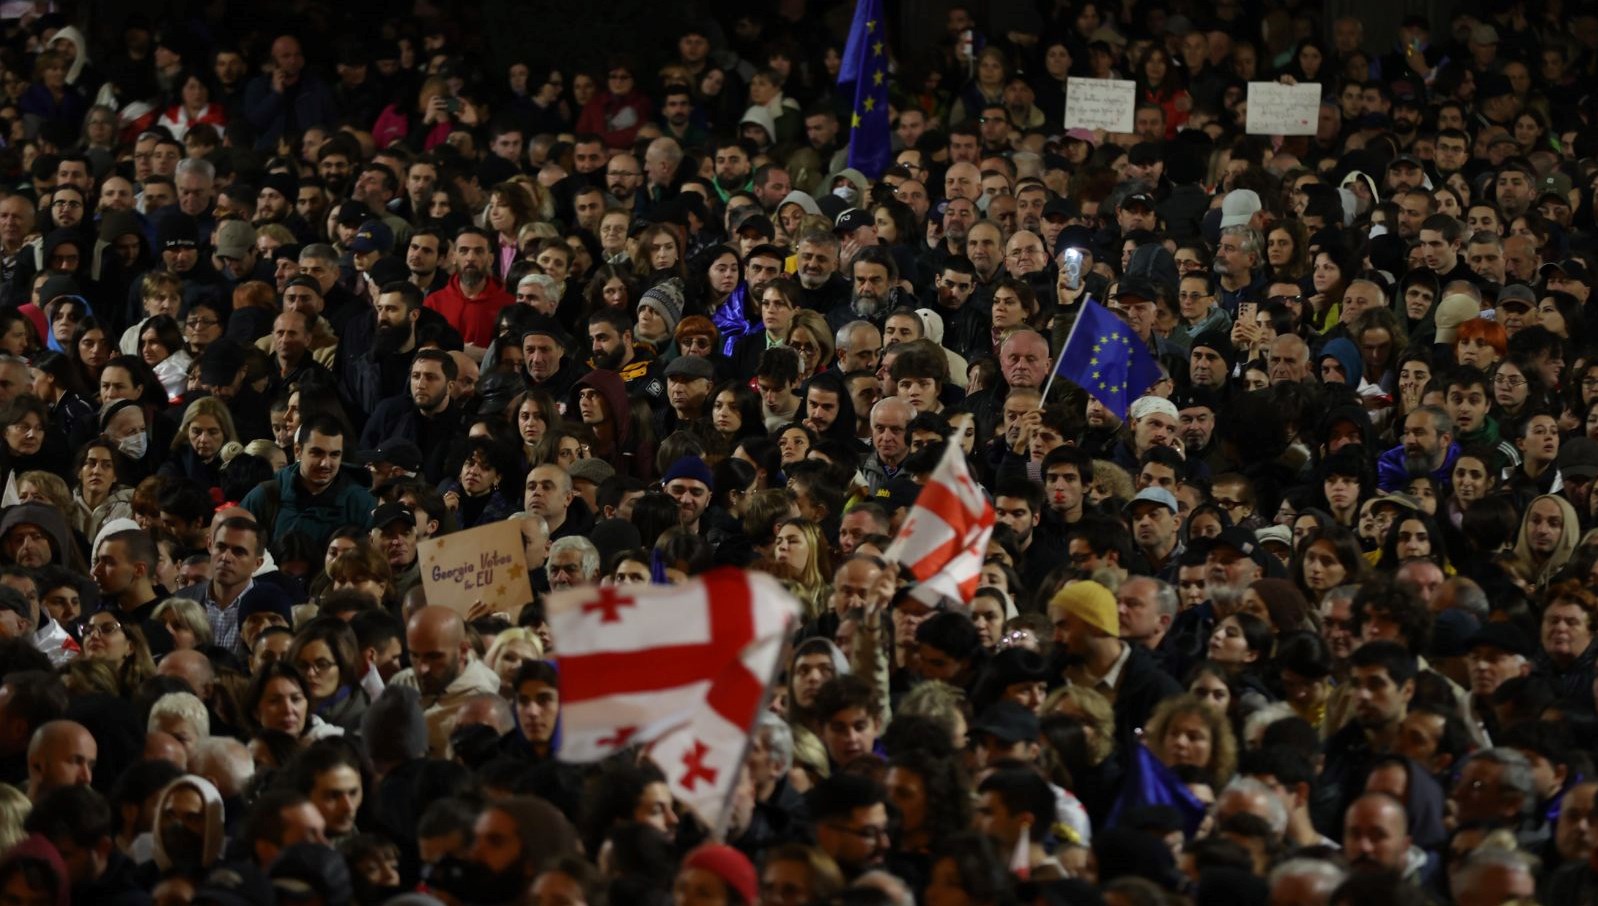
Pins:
x,y
849,194
184,847
134,447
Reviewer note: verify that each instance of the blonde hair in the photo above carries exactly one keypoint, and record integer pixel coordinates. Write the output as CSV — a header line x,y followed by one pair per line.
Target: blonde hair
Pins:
x,y
513,634
215,408
1223,744
937,701
192,615
1097,710
14,809
53,488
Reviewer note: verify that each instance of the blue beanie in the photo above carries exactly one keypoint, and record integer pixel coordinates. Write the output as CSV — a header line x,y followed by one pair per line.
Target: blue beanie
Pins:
x,y
690,467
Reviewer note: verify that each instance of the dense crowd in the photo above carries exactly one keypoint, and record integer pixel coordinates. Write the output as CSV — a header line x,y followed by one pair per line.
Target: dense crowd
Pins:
x,y
1311,622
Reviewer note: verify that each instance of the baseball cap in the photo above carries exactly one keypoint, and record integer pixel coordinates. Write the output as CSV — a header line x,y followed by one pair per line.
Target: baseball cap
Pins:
x,y
1239,207
1064,208
759,224
1517,293
1274,534
373,236
234,239
1138,198
1506,637
1483,34
1574,268
1578,458
395,451
392,512
1081,135
1243,541
851,220
1453,311
1137,286
1153,495
354,213
1406,160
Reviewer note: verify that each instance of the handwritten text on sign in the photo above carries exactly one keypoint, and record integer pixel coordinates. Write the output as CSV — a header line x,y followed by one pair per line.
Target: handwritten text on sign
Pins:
x,y
1100,104
487,564
1278,109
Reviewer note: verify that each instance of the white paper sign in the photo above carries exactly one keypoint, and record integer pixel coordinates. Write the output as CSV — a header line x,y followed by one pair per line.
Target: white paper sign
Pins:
x,y
1100,104
1278,109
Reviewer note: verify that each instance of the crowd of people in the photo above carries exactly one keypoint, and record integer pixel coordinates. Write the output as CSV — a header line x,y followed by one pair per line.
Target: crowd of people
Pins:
x,y
1311,622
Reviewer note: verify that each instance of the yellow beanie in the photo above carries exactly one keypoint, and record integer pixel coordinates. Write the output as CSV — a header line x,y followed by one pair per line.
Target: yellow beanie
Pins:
x,y
1091,603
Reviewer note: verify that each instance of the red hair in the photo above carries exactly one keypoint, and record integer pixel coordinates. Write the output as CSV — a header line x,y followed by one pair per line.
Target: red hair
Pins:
x,y
1482,329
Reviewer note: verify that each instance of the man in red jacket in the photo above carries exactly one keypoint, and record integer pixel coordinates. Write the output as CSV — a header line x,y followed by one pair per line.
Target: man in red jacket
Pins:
x,y
472,299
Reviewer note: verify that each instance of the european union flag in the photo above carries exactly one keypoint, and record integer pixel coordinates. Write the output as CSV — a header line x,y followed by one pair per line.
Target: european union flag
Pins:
x,y
1104,357
865,65
1150,783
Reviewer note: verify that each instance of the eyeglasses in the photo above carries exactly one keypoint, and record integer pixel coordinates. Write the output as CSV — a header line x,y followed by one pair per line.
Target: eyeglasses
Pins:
x,y
201,322
66,204
316,667
1507,380
1283,300
992,119
105,630
872,835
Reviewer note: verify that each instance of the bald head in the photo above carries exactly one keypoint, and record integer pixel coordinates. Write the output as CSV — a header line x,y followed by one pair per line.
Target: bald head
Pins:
x,y
160,745
61,753
193,668
436,637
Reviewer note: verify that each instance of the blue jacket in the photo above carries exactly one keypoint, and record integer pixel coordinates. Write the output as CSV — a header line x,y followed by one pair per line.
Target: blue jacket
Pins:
x,y
268,111
1392,474
285,507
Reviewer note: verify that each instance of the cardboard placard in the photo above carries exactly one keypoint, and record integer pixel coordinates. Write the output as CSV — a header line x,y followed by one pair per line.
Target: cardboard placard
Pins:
x,y
1278,109
1105,104
487,563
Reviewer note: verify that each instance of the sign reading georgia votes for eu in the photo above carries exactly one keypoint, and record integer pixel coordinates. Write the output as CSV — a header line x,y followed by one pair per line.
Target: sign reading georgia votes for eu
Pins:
x,y
486,564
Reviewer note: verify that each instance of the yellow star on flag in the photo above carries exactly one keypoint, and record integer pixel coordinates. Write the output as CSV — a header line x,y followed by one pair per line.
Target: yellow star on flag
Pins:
x,y
870,104
855,121
871,25
876,77
877,48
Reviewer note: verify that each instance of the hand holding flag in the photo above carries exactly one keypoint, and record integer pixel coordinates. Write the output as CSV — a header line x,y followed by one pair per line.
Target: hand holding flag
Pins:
x,y
1103,356
945,538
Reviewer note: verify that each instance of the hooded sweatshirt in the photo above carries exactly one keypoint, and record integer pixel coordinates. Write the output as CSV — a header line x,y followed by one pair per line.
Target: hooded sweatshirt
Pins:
x,y
1563,548
211,849
626,455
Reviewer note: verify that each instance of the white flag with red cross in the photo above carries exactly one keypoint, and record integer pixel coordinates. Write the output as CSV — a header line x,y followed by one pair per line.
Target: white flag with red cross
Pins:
x,y
945,538
684,667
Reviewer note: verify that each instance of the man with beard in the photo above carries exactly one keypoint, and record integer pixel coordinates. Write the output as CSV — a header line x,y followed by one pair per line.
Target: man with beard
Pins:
x,y
442,671
601,402
1087,627
426,251
965,323
1427,448
425,416
472,299
1234,560
875,273
1196,409
610,335
1018,503
821,287
1376,834
548,493
733,169
1382,677
395,532
550,367
1407,115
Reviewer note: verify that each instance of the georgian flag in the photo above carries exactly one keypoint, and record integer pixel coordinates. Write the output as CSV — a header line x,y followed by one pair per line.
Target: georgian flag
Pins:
x,y
945,538
685,668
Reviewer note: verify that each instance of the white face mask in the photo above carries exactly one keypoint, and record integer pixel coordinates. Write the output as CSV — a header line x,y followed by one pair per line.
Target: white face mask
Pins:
x,y
134,446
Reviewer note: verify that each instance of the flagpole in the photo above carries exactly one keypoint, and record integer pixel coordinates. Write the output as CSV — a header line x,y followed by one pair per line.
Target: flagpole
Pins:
x,y
1054,370
719,831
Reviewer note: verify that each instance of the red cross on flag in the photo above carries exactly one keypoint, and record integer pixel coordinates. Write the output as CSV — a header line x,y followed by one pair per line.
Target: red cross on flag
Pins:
x,y
944,539
684,668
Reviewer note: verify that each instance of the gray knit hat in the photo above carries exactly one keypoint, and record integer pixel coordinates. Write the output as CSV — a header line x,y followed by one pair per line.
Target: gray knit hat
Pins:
x,y
666,298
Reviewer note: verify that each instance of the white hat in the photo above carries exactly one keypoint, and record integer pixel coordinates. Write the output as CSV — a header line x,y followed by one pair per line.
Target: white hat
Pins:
x,y
1148,405
1239,207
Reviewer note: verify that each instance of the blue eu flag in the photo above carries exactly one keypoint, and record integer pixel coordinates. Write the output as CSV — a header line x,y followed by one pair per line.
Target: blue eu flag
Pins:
x,y
1104,357
1150,783
865,66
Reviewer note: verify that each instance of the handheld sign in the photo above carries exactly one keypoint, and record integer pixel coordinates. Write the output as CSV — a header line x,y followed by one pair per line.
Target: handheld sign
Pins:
x,y
487,564
1100,104
1278,109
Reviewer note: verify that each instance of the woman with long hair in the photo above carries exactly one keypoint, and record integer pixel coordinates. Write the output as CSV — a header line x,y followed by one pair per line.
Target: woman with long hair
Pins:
x,y
91,349
1162,83
1186,731
662,252
611,286
197,447
803,551
161,348
509,209
1330,278
279,699
532,414
98,495
735,412
194,106
1287,251
122,645
327,655
1329,556
57,384
986,86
